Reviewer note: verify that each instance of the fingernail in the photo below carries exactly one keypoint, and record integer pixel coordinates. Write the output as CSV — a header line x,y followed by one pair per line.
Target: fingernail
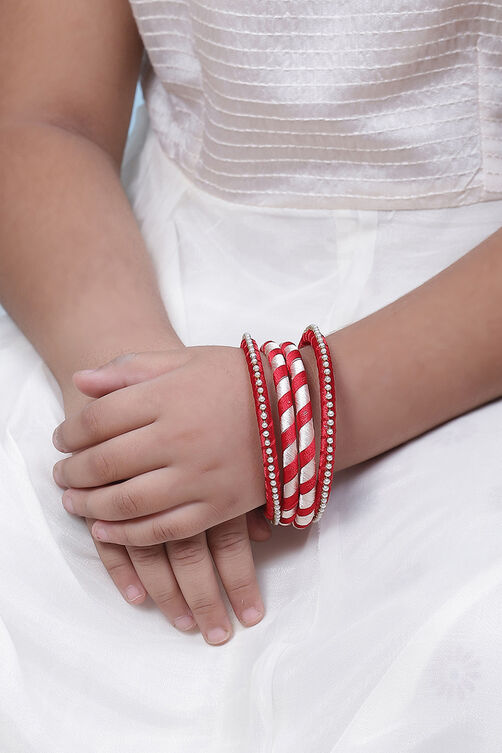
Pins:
x,y
100,533
251,615
68,502
217,635
85,371
133,592
57,440
185,623
57,473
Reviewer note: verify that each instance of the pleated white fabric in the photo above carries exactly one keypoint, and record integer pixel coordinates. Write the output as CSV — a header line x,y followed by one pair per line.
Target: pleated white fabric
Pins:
x,y
315,103
382,625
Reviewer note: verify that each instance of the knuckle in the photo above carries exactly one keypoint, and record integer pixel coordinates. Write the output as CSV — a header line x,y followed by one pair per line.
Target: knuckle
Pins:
x,y
188,552
164,596
115,566
90,420
128,504
242,583
230,542
162,531
203,605
102,466
144,555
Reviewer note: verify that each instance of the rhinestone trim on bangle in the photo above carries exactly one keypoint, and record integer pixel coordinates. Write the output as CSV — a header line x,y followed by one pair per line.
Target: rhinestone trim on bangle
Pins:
x,y
312,336
265,428
289,444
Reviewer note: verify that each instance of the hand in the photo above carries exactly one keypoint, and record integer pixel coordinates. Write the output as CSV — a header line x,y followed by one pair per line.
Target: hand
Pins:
x,y
186,574
184,446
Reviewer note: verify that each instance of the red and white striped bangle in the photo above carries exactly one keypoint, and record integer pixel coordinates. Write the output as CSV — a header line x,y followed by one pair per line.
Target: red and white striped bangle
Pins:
x,y
305,429
287,424
265,427
313,337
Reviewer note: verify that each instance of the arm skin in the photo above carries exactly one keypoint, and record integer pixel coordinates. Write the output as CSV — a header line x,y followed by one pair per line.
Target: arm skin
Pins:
x,y
431,355
74,271
75,274
69,282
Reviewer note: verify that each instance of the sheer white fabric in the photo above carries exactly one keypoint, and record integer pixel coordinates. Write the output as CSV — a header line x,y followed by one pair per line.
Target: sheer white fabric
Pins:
x,y
382,625
317,104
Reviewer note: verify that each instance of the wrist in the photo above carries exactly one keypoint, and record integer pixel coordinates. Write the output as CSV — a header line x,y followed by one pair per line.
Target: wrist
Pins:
x,y
346,373
345,453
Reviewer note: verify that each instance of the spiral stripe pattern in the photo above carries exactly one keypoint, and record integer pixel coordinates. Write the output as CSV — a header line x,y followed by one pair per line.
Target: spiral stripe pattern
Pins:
x,y
305,428
312,336
265,427
289,444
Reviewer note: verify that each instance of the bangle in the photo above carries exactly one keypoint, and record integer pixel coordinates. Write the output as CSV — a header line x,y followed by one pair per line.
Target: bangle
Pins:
x,y
313,337
305,429
265,427
287,424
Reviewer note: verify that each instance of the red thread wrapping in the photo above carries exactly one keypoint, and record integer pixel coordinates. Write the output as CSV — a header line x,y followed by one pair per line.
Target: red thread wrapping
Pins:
x,y
306,502
309,338
269,505
288,436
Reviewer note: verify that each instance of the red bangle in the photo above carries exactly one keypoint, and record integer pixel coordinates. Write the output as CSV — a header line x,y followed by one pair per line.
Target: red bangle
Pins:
x,y
265,427
313,337
289,444
305,429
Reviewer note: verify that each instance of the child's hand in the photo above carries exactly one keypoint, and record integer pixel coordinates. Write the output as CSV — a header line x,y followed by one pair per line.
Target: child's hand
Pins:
x,y
181,579
184,446
181,574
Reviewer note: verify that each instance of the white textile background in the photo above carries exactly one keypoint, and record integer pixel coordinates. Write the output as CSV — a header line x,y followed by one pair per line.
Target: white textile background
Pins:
x,y
382,625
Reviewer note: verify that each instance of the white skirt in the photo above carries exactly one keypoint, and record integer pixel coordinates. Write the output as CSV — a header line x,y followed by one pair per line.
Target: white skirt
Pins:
x,y
382,631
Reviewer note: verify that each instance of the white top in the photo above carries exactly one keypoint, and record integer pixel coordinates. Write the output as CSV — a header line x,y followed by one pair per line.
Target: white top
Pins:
x,y
316,104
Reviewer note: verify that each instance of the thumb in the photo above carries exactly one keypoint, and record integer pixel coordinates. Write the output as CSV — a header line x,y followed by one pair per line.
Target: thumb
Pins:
x,y
127,369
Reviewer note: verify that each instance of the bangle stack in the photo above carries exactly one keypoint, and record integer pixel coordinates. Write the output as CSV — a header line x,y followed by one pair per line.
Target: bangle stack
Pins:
x,y
266,429
313,337
300,497
282,383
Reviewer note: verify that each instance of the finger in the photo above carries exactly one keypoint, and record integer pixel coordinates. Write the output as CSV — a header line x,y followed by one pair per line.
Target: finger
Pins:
x,y
116,459
231,550
193,568
120,568
153,568
107,417
183,521
258,527
128,369
140,496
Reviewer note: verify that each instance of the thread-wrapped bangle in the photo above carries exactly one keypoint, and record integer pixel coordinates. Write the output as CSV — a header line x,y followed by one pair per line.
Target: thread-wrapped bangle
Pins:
x,y
289,445
266,428
306,438
313,337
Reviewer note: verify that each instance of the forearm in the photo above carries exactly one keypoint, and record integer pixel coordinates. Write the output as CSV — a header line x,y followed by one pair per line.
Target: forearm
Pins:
x,y
433,354
74,271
